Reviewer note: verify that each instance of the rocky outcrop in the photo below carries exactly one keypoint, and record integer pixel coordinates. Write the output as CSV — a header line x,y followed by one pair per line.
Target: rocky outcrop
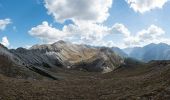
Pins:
x,y
12,66
69,56
5,52
46,60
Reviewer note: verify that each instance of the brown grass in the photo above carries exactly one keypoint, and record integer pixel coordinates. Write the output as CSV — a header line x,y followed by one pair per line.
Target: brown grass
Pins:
x,y
140,82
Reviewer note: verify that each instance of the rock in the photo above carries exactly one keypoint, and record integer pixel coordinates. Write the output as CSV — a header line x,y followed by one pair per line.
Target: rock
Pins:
x,y
70,56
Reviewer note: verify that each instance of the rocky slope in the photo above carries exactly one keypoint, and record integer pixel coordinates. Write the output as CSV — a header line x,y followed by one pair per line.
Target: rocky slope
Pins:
x,y
136,81
11,66
25,75
69,56
47,60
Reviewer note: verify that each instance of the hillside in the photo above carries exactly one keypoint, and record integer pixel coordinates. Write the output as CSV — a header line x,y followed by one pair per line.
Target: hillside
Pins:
x,y
48,60
24,75
11,66
69,56
141,81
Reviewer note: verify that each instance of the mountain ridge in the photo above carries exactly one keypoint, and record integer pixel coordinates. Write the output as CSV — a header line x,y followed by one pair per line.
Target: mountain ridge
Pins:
x,y
47,59
151,52
131,80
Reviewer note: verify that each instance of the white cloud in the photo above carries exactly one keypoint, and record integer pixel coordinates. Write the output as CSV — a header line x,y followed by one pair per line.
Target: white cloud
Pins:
x,y
120,28
80,32
94,34
145,5
46,32
87,16
153,34
89,10
4,23
27,46
5,41
83,32
88,32
87,27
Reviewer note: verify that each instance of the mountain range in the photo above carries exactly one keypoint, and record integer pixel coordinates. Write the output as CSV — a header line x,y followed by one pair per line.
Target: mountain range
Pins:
x,y
47,59
149,52
66,71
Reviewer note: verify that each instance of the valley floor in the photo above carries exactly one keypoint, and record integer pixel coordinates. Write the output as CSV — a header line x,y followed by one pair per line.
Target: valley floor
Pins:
x,y
146,82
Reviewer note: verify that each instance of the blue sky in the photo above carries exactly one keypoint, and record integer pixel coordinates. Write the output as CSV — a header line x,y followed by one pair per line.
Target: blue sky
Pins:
x,y
127,25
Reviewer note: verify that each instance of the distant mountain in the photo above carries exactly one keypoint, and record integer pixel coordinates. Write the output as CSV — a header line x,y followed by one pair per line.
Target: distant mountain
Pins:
x,y
150,52
119,52
127,50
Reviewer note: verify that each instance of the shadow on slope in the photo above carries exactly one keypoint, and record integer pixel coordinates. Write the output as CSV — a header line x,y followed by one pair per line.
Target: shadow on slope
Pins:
x,y
130,82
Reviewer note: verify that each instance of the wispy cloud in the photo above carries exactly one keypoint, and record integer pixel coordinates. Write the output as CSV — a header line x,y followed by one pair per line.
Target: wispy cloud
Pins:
x,y
4,23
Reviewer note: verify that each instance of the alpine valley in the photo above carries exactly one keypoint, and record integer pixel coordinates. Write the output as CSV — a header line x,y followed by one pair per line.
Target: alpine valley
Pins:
x,y
66,71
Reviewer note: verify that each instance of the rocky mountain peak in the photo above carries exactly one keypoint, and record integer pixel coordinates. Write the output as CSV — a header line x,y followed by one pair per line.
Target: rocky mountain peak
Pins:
x,y
2,46
60,42
64,54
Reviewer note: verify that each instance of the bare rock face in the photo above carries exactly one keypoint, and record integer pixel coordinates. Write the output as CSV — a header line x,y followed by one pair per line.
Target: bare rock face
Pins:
x,y
46,60
6,53
12,66
70,56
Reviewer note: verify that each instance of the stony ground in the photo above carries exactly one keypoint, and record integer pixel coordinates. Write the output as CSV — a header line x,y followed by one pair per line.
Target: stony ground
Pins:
x,y
141,82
